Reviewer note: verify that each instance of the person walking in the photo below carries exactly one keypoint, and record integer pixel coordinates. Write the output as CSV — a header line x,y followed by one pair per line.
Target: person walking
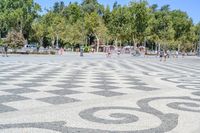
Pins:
x,y
176,54
165,55
61,51
168,54
38,48
108,55
161,55
118,52
5,51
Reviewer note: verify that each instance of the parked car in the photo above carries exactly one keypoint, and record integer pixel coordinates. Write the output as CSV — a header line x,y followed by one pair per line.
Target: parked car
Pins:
x,y
30,48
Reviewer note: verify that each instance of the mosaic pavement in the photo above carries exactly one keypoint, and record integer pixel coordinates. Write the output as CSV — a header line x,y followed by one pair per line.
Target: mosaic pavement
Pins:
x,y
94,94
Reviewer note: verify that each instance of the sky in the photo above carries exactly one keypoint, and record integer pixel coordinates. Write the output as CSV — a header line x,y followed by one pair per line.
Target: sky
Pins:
x,y
189,6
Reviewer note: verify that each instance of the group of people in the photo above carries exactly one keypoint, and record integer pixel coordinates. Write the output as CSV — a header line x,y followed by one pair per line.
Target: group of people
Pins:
x,y
109,52
164,54
5,51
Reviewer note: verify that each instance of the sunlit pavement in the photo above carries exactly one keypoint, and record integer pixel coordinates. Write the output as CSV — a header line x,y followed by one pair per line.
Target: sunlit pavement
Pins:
x,y
95,94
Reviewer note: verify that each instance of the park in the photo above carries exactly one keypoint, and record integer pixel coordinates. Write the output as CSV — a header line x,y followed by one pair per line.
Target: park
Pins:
x,y
84,67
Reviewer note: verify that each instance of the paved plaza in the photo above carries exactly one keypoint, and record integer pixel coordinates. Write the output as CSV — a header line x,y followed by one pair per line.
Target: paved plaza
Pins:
x,y
95,94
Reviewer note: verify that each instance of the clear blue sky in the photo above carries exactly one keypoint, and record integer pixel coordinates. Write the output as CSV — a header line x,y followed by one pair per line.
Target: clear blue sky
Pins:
x,y
190,6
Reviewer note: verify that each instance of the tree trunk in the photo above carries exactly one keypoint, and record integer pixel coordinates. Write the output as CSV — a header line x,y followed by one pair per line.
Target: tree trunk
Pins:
x,y
53,42
179,48
116,42
97,43
73,48
57,46
21,26
198,49
135,44
159,47
145,43
156,48
86,41
41,41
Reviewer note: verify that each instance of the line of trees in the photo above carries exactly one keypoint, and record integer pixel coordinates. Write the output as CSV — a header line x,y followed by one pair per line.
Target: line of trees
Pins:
x,y
91,23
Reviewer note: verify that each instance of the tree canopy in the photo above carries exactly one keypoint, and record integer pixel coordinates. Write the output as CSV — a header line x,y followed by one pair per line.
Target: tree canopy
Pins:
x,y
91,23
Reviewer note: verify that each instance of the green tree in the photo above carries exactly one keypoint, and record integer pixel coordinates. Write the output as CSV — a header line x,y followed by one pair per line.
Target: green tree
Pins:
x,y
74,34
3,24
163,28
182,25
73,13
58,7
139,21
118,24
73,23
90,6
15,39
197,32
3,18
95,26
24,13
39,29
55,27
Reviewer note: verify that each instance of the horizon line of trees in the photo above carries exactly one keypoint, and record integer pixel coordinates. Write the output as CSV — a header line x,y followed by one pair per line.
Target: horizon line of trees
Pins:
x,y
93,24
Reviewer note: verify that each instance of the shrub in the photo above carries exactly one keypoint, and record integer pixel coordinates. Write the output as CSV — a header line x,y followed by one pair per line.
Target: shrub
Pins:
x,y
15,39
52,52
87,49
